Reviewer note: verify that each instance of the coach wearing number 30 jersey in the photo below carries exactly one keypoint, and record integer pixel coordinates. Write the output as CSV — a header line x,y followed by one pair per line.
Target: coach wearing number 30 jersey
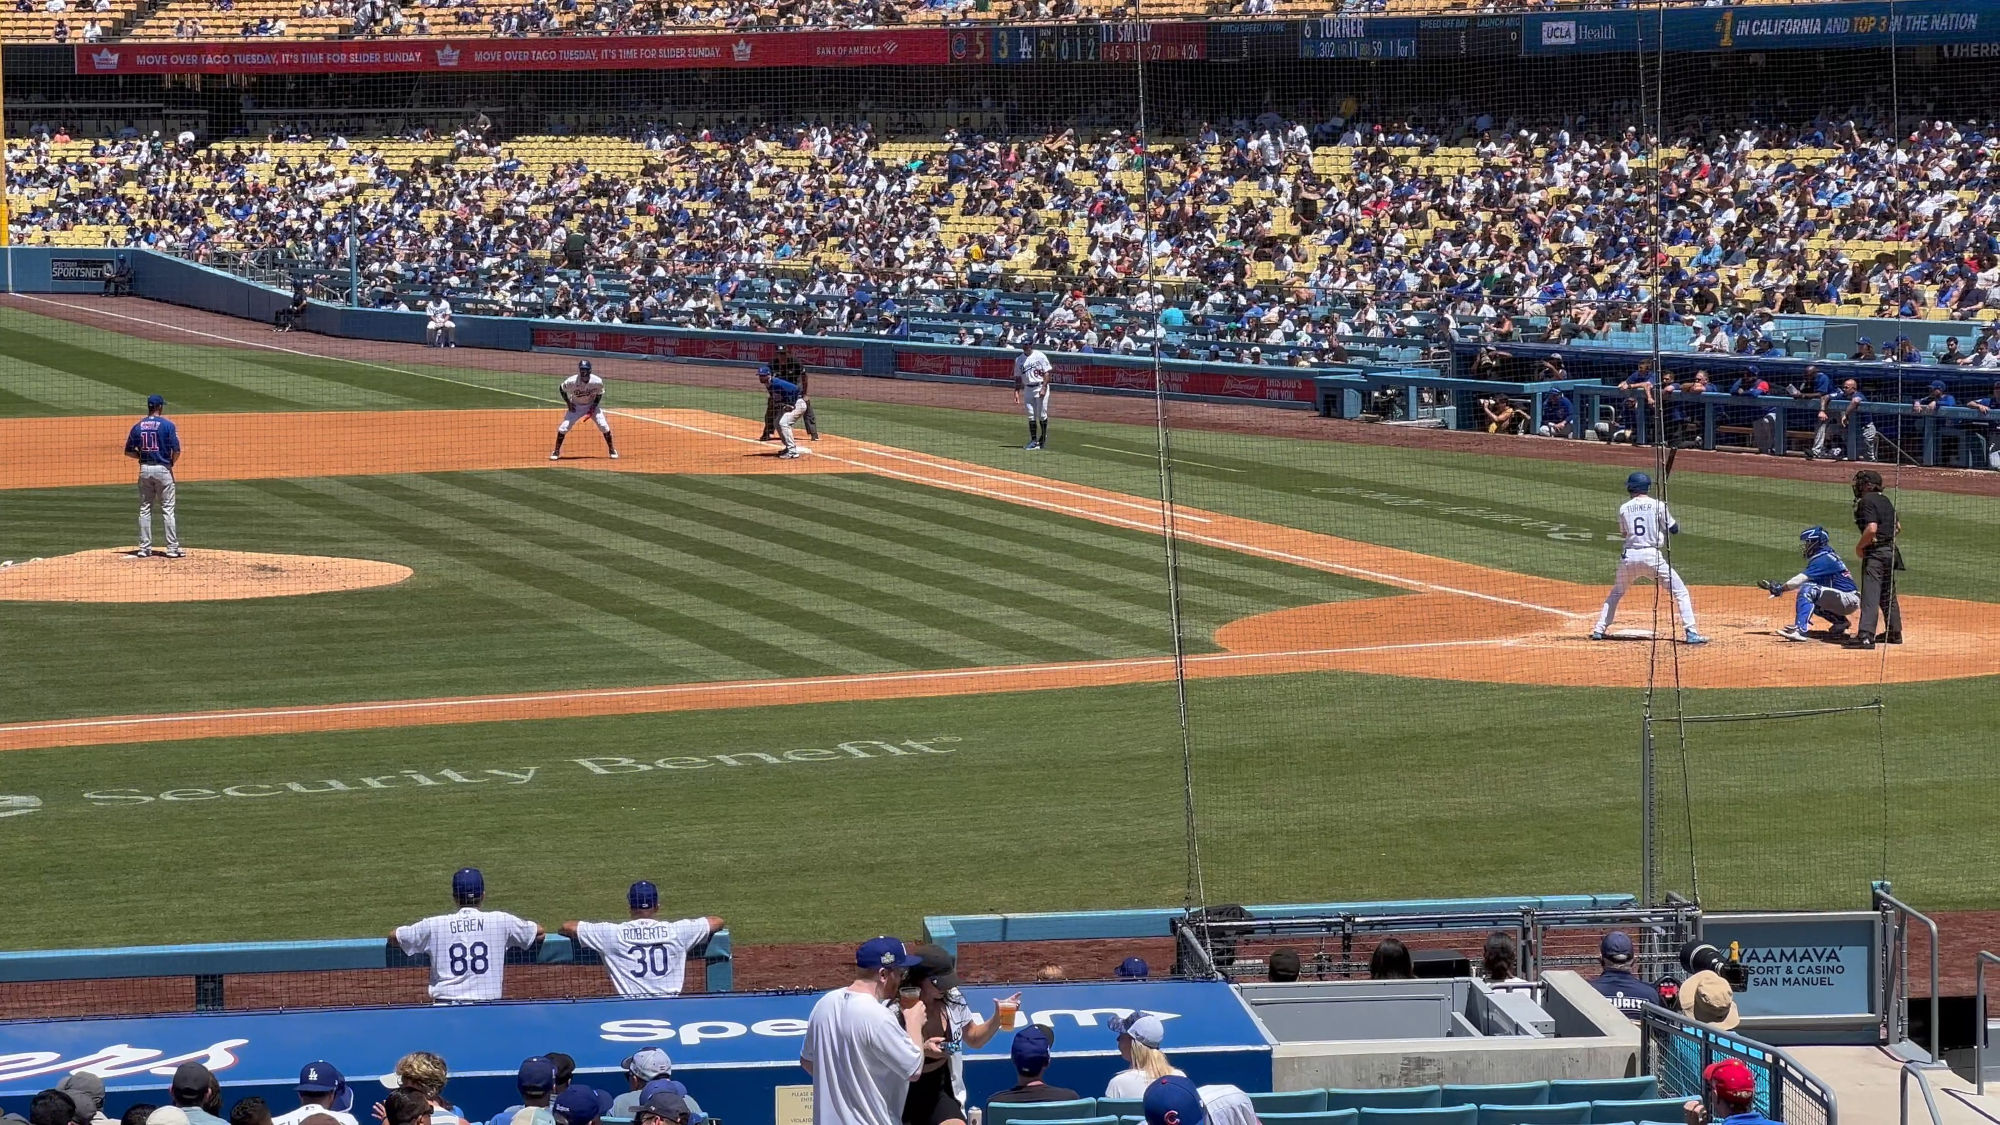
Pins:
x,y
644,956
468,948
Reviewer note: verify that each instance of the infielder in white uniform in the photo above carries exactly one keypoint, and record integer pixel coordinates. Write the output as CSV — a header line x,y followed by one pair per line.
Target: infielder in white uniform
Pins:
x,y
583,396
644,956
468,948
1033,377
443,330
1644,523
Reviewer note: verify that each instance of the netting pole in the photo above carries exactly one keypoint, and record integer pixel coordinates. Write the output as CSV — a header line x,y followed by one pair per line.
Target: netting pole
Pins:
x,y
1649,866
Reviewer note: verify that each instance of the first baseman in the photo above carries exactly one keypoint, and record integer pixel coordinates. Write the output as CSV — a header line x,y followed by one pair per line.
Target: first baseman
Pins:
x,y
647,955
468,948
156,445
1825,587
1644,523
583,395
1032,379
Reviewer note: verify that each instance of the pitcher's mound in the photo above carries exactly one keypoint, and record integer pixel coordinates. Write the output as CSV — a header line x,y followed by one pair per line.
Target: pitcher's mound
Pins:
x,y
200,576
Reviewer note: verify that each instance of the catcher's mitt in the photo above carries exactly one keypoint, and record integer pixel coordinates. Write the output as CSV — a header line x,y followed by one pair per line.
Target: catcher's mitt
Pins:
x,y
1771,587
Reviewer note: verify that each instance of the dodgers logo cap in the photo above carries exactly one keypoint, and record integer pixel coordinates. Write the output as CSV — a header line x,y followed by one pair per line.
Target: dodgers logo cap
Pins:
x,y
643,895
467,882
537,1073
320,1078
884,953
576,1106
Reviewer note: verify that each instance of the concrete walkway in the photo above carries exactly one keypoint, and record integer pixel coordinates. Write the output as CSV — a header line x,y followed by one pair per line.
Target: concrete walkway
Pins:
x,y
1865,1080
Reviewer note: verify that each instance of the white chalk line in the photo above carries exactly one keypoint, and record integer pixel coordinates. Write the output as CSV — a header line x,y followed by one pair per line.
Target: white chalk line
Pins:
x,y
712,688
1285,556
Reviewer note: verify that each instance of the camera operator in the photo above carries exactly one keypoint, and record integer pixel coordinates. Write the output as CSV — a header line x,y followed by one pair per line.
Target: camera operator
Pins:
x,y
1729,1097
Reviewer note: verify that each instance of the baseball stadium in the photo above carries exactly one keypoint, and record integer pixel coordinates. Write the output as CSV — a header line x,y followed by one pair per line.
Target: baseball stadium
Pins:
x,y
1307,562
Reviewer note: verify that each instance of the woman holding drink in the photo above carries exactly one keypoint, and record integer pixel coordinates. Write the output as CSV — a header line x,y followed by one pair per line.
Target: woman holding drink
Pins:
x,y
937,1097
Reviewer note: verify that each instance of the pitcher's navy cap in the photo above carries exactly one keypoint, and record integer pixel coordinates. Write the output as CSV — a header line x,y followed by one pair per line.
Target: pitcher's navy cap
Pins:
x,y
155,400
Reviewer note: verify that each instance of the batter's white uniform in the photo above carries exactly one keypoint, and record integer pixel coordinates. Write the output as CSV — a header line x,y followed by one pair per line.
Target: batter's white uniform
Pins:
x,y
1033,371
586,397
468,950
1645,523
442,329
645,956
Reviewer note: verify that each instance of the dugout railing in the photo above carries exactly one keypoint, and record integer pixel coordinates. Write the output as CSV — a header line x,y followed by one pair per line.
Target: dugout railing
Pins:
x,y
1675,1051
1898,919
263,976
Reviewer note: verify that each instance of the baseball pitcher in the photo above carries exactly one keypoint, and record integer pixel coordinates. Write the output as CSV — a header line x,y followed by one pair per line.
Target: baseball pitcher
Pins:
x,y
1825,587
156,445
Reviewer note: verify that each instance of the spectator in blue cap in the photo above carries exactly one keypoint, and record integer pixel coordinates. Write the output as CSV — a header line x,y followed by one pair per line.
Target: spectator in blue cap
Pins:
x,y
663,1108
577,1105
1616,983
862,1059
1032,1048
536,1080
322,1089
1133,968
1174,1100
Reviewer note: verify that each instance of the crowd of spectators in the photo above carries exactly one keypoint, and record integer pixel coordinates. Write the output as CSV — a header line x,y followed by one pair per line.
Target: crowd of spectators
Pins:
x,y
1265,240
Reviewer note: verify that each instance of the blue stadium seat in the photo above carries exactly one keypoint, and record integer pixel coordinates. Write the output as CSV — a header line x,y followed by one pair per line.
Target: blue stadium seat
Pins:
x,y
1644,1087
1121,1107
1445,1115
1510,1093
1074,1120
1319,1117
1568,1113
1289,1102
1405,1097
1000,1113
1645,1109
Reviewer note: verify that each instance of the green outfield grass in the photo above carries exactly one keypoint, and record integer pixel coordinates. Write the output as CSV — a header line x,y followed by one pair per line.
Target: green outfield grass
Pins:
x,y
1317,786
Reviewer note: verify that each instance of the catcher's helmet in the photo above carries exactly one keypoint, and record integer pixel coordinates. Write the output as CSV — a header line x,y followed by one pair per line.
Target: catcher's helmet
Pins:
x,y
1813,540
1639,482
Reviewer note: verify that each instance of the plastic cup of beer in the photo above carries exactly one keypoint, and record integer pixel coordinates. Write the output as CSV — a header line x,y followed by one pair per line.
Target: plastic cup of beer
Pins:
x,y
1003,1012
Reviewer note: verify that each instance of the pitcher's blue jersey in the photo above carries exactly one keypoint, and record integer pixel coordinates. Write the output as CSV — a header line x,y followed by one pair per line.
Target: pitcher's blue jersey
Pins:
x,y
155,440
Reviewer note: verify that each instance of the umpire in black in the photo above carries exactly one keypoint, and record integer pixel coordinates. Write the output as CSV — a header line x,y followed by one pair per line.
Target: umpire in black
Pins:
x,y
783,366
1875,518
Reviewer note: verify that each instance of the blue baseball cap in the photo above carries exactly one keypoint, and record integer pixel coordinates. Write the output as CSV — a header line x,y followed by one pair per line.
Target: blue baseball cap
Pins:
x,y
1937,384
537,1074
1616,947
642,896
320,1078
1863,340
576,1106
1032,1045
1174,1100
467,882
1133,968
884,953
155,400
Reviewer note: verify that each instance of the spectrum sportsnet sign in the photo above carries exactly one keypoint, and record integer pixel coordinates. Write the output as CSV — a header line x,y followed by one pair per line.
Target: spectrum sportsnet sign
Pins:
x,y
1073,372
695,347
916,47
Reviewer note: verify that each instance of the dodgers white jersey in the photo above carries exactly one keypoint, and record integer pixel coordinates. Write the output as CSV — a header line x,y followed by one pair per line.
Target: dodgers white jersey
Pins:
x,y
583,391
1032,369
468,950
1644,522
645,956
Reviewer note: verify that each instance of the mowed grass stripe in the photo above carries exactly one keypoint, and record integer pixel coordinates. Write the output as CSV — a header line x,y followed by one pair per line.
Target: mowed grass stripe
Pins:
x,y
1140,556
135,376
962,626
410,389
646,554
1052,609
471,563
730,654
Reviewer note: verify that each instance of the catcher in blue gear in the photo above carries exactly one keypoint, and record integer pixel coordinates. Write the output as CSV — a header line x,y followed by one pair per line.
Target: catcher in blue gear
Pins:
x,y
1824,588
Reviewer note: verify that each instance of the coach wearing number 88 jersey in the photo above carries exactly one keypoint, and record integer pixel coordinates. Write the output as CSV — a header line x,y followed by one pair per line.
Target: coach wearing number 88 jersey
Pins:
x,y
467,948
643,956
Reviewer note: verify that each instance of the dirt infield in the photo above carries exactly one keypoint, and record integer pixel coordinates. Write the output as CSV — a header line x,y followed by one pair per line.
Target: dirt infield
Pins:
x,y
1496,626
150,320
201,576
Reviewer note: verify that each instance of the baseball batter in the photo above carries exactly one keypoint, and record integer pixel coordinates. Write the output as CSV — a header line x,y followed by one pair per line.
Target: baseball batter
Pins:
x,y
156,445
1644,523
785,394
644,956
583,397
1033,376
1825,587
468,948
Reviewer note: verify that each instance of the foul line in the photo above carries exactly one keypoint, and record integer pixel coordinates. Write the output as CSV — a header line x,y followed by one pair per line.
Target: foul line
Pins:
x,y
712,688
1284,556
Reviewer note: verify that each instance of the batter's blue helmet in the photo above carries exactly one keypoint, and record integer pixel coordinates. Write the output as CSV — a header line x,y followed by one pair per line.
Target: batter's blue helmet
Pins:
x,y
467,884
583,367
1638,482
1814,540
642,896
